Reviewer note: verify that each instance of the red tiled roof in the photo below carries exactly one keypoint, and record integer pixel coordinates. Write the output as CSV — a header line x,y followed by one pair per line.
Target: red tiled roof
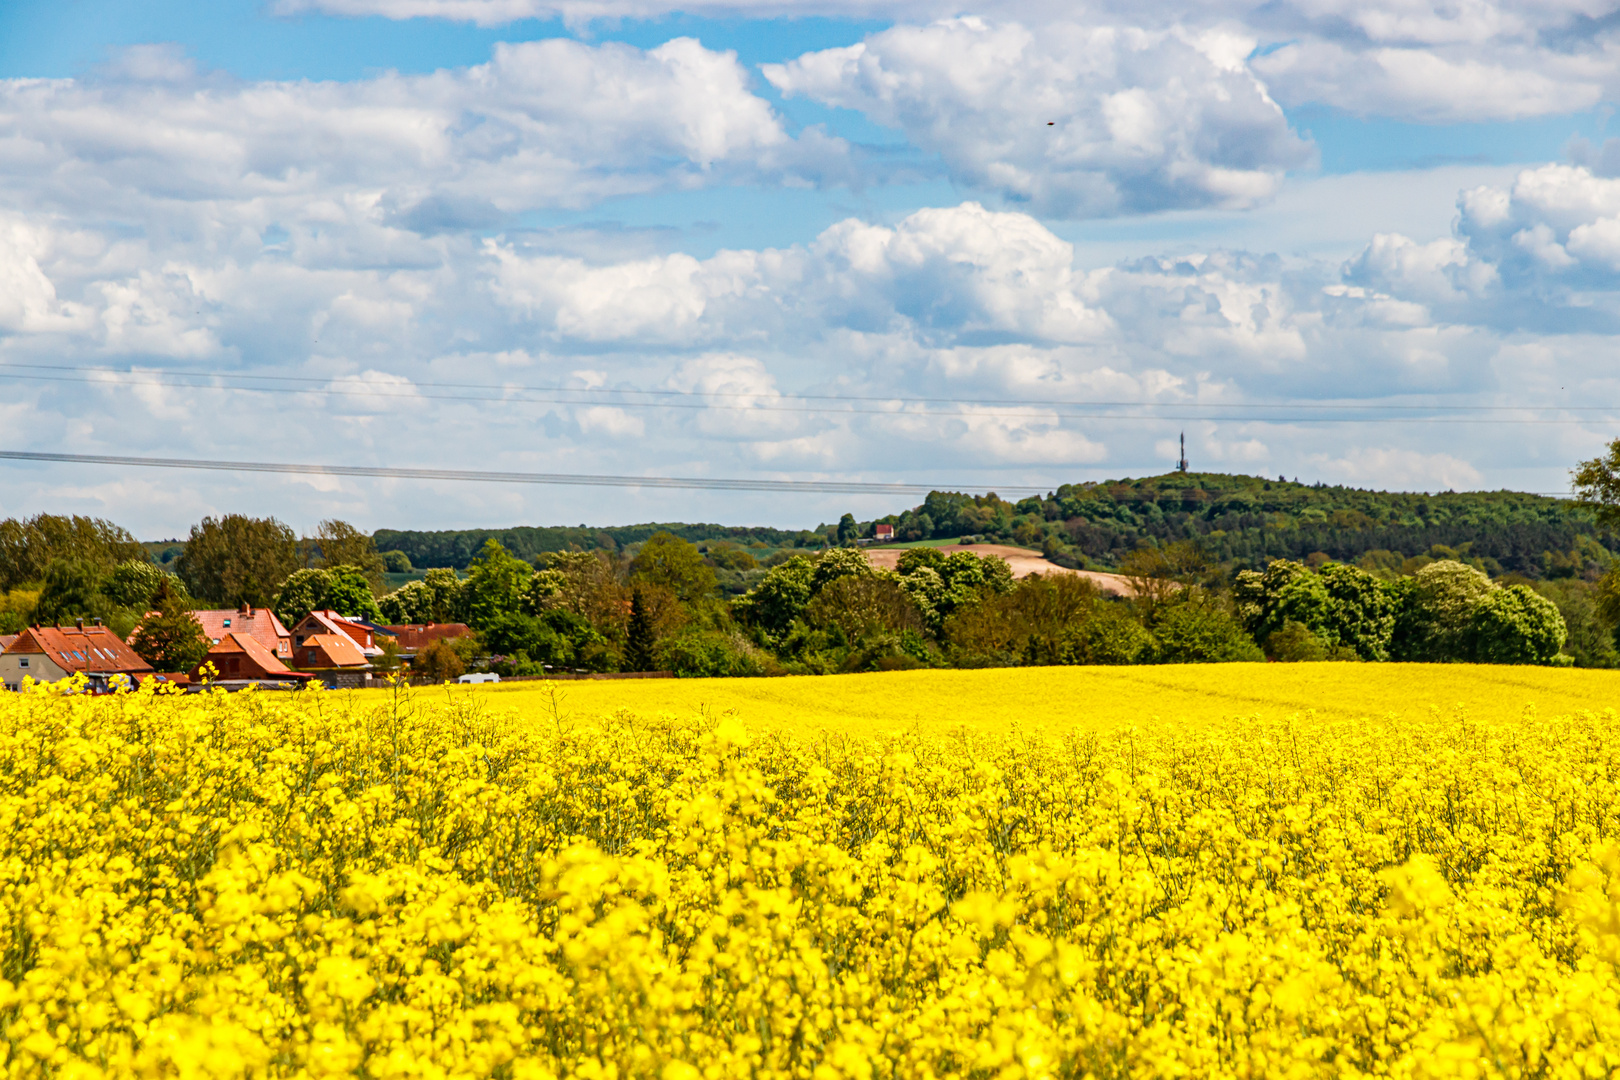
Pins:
x,y
261,623
331,622
414,637
6,640
328,651
93,649
241,655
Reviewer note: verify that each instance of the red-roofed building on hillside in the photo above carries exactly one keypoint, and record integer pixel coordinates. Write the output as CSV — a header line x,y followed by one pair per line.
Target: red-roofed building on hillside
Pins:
x,y
328,623
414,637
325,651
50,653
241,658
882,533
260,624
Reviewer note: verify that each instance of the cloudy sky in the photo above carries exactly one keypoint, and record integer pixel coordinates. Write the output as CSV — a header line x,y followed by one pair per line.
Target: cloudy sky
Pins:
x,y
987,247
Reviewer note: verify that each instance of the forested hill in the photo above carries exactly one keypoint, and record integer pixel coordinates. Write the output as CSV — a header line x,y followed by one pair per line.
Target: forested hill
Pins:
x,y
1246,520
1239,520
457,547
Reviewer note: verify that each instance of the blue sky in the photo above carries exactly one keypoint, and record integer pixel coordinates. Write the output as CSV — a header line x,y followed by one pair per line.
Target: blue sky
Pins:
x,y
1182,215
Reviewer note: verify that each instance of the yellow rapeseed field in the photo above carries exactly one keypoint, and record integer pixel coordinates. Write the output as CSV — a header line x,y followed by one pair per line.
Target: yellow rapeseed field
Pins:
x,y
1063,699
514,883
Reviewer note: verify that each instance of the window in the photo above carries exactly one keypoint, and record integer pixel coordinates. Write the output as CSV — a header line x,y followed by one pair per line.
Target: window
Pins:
x,y
22,661
227,624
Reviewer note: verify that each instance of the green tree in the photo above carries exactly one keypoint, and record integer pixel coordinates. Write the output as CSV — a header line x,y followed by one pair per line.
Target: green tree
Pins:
x,y
1110,636
410,603
71,591
1516,625
29,546
348,592
396,562
1200,632
639,640
494,584
781,596
858,605
1433,621
838,563
1361,613
848,529
235,560
133,584
341,544
170,639
304,591
1597,486
667,560
439,662
447,595
710,654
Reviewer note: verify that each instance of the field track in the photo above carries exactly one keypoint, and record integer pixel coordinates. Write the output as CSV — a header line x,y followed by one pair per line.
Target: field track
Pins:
x,y
1071,698
1023,562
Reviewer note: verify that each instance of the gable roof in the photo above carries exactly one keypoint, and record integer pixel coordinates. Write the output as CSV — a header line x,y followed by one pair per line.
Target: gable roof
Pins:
x,y
266,660
335,650
331,622
261,623
91,649
6,640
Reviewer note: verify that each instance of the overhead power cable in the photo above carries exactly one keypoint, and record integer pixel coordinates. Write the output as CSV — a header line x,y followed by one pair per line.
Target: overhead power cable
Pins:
x,y
896,407
486,476
834,487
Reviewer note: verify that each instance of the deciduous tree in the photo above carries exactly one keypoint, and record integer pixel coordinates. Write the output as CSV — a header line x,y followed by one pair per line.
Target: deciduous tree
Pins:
x,y
235,559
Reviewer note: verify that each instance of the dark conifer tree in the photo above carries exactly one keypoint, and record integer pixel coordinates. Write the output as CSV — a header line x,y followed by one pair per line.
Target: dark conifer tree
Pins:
x,y
638,646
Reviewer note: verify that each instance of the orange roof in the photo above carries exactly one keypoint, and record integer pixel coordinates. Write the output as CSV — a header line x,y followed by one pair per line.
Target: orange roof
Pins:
x,y
261,623
331,622
329,650
246,643
92,649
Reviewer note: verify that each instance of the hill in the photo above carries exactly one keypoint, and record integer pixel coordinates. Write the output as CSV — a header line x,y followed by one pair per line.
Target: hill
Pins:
x,y
1239,521
1243,521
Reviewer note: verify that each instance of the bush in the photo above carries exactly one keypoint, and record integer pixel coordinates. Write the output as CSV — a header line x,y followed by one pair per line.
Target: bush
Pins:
x,y
710,654
1110,637
1294,643
1201,633
439,662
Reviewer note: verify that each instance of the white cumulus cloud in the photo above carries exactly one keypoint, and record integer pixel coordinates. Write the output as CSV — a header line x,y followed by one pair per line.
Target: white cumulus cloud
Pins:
x,y
1071,120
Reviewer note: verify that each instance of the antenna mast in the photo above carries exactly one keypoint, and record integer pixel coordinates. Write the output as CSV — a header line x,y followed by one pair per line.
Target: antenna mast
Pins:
x,y
1181,466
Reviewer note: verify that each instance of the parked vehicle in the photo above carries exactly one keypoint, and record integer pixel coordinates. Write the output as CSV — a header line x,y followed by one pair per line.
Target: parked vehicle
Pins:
x,y
479,677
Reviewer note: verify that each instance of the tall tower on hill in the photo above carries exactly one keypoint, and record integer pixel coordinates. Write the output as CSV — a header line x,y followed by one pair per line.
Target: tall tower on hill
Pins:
x,y
1181,466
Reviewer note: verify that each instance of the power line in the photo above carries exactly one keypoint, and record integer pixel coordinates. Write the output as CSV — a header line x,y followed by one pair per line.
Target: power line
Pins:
x,y
1173,412
834,487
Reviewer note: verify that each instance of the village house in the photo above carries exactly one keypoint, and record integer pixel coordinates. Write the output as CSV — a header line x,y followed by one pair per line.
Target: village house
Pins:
x,y
328,651
882,533
260,624
51,653
329,624
240,659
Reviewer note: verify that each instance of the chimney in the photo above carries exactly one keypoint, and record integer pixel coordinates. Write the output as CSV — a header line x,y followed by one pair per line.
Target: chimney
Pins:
x,y
247,610
79,623
97,621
